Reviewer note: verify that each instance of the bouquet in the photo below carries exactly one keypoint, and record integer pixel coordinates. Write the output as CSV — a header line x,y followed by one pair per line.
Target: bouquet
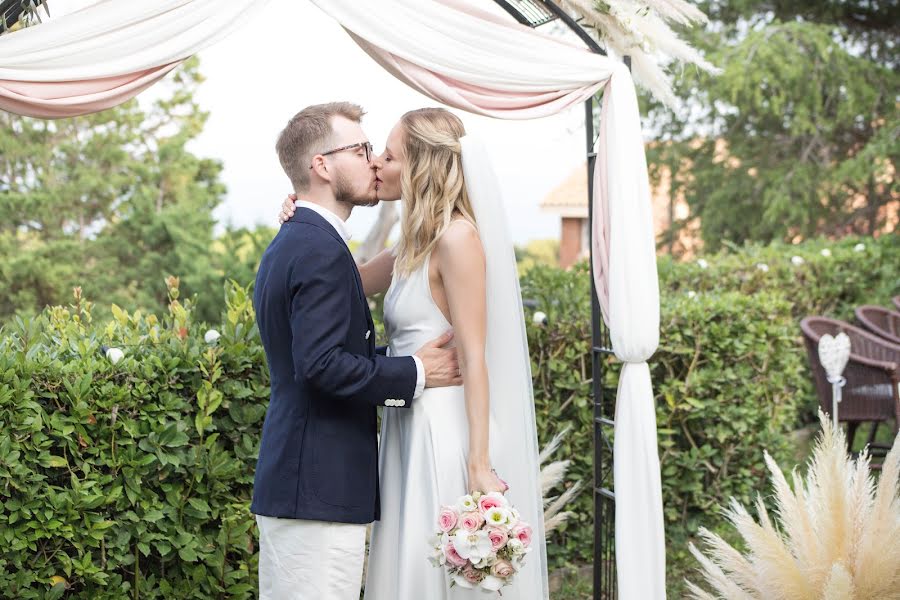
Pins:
x,y
482,541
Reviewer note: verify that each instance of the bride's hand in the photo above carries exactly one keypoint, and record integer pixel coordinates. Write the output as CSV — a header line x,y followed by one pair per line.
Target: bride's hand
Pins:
x,y
287,208
486,481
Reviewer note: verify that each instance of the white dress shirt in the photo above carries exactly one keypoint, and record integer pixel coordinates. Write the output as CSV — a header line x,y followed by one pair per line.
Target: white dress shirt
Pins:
x,y
341,227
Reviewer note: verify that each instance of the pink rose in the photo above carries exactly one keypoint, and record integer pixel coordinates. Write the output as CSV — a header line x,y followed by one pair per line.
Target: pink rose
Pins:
x,y
447,519
471,574
522,532
471,521
498,538
502,569
453,556
486,503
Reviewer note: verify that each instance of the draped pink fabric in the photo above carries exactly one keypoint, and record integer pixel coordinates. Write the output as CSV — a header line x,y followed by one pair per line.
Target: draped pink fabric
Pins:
x,y
600,225
513,105
59,99
476,99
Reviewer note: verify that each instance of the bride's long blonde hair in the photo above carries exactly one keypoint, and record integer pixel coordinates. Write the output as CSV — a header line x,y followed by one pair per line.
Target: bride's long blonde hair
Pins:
x,y
432,185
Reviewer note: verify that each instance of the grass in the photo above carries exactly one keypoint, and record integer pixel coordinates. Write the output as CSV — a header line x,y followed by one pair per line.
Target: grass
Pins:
x,y
572,584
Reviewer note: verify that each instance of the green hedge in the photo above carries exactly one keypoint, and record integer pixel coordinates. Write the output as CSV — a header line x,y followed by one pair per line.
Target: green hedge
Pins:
x,y
856,271
133,479
730,375
726,376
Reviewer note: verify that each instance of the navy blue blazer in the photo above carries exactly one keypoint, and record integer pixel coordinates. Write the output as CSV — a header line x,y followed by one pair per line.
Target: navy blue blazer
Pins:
x,y
318,458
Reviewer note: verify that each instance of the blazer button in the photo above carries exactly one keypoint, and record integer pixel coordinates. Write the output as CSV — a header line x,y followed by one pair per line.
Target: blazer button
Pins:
x,y
401,402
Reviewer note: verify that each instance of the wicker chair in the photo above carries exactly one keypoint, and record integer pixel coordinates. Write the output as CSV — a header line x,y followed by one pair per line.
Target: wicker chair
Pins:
x,y
880,321
873,376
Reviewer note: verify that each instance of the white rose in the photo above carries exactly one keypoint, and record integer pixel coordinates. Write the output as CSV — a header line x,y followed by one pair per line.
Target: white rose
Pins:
x,y
515,546
211,336
466,503
539,318
762,267
702,263
797,260
860,247
825,252
114,355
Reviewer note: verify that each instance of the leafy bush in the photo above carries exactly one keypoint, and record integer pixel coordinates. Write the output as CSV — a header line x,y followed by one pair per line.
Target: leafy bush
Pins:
x,y
133,479
851,272
130,479
730,375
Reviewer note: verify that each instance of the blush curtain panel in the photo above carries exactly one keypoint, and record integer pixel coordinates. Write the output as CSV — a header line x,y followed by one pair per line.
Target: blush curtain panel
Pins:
x,y
108,52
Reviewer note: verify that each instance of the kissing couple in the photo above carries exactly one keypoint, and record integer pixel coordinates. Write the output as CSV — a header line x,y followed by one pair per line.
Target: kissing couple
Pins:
x,y
454,379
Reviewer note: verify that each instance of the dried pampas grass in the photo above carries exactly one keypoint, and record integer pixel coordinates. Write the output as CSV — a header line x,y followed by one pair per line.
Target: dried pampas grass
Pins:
x,y
838,537
641,29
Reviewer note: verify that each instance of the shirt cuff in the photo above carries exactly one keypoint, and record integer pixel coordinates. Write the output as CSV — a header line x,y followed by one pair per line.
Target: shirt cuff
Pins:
x,y
420,377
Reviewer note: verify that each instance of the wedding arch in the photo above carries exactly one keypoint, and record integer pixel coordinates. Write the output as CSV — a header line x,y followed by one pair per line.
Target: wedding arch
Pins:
x,y
468,58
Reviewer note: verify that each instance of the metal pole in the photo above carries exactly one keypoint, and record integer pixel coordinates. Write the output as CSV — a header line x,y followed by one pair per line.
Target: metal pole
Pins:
x,y
836,384
11,11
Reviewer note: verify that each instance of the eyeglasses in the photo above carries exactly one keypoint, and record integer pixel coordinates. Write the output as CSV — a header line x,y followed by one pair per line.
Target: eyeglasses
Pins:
x,y
365,145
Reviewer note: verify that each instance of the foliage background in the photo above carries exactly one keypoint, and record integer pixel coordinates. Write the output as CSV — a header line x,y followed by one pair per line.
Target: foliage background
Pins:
x,y
135,478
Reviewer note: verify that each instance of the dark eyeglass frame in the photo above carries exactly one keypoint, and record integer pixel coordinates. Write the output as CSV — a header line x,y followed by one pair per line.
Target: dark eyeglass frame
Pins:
x,y
370,150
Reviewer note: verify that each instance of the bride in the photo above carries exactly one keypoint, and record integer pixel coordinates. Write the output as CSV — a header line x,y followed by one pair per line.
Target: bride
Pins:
x,y
454,266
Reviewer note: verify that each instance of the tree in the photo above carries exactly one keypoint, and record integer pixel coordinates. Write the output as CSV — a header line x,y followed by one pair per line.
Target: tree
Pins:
x,y
112,202
871,26
797,137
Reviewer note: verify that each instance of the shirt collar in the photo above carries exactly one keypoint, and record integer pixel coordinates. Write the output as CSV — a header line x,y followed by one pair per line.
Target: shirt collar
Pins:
x,y
339,225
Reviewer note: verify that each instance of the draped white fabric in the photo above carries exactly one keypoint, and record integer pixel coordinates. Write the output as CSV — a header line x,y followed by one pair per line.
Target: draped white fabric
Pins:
x,y
453,43
116,37
633,319
466,58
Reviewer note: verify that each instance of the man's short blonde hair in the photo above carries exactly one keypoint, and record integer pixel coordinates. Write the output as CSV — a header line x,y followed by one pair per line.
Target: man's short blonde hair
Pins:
x,y
308,133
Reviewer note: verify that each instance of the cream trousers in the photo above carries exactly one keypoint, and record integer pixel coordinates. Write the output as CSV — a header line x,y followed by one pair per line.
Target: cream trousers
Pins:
x,y
310,560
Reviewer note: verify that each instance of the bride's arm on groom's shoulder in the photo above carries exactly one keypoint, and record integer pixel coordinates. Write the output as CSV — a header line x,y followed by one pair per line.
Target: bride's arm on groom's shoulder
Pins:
x,y
376,274
461,266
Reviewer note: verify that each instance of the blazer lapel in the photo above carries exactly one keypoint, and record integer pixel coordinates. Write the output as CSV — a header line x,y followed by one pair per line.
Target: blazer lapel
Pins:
x,y
305,215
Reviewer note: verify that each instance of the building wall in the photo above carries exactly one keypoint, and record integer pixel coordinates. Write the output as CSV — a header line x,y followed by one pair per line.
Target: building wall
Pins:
x,y
570,245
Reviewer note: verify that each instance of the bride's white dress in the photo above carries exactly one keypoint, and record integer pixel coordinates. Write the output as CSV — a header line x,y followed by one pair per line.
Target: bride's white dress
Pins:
x,y
422,462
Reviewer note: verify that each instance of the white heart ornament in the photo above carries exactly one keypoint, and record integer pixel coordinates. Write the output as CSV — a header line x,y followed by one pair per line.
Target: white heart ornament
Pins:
x,y
834,352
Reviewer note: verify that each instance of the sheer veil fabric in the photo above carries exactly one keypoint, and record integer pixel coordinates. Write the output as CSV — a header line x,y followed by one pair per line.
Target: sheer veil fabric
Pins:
x,y
508,362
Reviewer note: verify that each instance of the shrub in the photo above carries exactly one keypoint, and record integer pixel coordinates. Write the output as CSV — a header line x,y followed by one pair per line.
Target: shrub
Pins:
x,y
133,479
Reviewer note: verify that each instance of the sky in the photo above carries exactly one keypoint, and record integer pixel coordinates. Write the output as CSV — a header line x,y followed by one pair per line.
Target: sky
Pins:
x,y
291,55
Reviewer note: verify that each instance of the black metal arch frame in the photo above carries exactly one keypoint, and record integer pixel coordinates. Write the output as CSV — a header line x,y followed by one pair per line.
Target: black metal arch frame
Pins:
x,y
12,10
535,13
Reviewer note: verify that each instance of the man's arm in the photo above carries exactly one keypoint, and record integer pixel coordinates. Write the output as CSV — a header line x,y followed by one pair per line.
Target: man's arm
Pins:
x,y
319,324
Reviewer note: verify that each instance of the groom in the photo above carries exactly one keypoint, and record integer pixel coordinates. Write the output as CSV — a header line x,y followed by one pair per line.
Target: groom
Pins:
x,y
316,482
